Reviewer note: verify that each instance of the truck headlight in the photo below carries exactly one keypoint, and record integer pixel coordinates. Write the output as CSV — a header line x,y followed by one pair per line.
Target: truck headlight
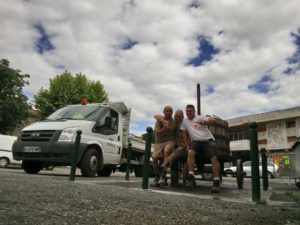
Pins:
x,y
68,134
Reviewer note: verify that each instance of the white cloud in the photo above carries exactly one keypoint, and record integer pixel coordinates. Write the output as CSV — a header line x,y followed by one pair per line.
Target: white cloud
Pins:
x,y
254,39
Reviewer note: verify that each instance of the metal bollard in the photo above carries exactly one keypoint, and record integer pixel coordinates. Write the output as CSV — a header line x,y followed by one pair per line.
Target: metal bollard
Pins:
x,y
146,163
264,165
128,161
75,155
254,162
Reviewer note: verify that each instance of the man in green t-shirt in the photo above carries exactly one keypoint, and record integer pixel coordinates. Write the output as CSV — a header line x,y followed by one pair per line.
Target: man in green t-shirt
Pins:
x,y
164,129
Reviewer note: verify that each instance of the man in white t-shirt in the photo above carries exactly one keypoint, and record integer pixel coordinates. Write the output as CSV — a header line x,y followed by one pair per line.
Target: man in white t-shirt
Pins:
x,y
200,141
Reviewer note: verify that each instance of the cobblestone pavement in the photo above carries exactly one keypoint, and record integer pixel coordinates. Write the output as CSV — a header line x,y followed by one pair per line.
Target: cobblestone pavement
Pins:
x,y
50,198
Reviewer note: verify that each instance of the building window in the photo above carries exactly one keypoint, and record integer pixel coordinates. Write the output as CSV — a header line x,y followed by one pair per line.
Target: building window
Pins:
x,y
239,135
291,123
246,136
235,136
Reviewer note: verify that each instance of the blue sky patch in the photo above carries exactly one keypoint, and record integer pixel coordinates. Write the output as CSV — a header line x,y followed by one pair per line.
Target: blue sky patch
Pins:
x,y
194,4
243,111
60,66
262,85
43,44
288,71
208,89
142,126
206,52
28,94
295,59
128,44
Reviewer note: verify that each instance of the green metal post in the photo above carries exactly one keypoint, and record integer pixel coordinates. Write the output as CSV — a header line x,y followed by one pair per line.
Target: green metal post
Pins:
x,y
254,162
128,161
75,155
264,166
146,164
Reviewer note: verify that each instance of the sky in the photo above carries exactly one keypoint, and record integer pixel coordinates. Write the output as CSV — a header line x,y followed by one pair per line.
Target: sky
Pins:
x,y
149,54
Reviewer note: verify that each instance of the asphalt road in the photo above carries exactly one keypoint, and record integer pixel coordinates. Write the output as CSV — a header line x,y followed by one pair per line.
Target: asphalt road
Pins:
x,y
50,198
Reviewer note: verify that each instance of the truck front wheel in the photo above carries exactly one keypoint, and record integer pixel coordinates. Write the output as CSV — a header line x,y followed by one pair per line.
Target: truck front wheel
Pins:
x,y
32,167
90,163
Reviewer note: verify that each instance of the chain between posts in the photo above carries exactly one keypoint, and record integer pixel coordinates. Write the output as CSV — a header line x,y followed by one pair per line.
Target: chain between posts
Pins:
x,y
146,164
75,155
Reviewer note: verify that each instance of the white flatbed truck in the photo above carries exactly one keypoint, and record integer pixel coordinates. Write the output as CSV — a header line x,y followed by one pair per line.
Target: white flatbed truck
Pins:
x,y
104,140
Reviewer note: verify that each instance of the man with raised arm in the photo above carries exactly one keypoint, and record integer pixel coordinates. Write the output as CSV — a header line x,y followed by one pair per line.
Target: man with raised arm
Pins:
x,y
200,141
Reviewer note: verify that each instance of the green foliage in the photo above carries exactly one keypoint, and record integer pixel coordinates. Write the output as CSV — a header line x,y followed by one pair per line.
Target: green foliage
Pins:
x,y
67,89
13,104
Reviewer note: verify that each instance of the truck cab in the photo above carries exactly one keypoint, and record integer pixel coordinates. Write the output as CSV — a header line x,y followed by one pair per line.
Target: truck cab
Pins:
x,y
105,135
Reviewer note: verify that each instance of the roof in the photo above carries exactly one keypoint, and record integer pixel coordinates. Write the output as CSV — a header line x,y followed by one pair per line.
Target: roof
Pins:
x,y
266,117
118,106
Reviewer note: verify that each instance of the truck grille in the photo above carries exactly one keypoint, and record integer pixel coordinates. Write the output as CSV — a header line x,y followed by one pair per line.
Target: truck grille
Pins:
x,y
37,135
43,155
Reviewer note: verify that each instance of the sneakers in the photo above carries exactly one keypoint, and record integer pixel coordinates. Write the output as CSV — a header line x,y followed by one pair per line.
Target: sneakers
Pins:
x,y
216,186
191,181
164,180
155,182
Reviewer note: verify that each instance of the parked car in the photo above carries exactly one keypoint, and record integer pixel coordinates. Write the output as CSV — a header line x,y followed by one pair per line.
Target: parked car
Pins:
x,y
6,157
273,170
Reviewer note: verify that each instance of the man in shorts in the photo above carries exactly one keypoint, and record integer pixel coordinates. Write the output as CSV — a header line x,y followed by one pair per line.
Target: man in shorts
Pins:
x,y
164,130
201,142
180,152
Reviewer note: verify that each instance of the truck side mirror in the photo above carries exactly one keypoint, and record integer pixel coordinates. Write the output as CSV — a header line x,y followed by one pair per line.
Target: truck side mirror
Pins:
x,y
108,122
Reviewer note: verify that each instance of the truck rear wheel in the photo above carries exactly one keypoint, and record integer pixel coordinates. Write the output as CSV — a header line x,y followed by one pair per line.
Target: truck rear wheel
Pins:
x,y
138,171
90,163
105,172
32,167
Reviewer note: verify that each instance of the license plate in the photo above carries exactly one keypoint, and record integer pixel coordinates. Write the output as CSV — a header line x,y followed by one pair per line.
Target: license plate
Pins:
x,y
32,149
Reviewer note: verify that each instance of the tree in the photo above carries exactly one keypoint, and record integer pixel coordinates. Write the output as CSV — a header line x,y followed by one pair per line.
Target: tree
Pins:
x,y
13,103
67,89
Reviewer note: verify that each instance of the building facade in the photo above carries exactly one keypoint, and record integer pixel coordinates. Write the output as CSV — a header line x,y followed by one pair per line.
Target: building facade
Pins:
x,y
277,132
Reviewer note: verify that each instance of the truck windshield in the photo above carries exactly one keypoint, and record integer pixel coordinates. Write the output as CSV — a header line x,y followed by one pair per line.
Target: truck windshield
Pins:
x,y
77,112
